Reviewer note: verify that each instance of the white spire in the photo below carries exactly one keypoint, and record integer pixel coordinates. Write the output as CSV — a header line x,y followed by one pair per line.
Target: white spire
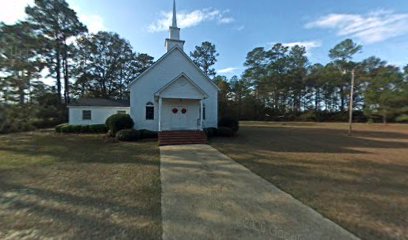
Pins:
x,y
174,15
174,39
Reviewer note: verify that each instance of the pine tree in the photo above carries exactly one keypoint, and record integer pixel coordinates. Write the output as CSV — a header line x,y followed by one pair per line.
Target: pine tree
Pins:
x,y
204,57
58,23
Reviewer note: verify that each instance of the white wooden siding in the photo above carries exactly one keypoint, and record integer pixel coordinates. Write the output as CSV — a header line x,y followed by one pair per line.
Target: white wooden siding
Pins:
x,y
98,114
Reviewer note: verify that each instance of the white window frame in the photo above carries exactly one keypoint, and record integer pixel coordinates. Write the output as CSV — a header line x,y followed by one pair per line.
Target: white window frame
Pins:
x,y
149,105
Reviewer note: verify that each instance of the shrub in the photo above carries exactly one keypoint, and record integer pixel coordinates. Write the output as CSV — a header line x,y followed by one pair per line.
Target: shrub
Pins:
x,y
45,123
128,135
66,129
147,134
76,128
59,127
402,118
118,122
229,123
225,132
210,132
309,116
98,128
85,129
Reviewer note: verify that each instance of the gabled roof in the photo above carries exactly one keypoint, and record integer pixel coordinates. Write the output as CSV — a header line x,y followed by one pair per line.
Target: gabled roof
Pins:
x,y
165,56
100,102
175,80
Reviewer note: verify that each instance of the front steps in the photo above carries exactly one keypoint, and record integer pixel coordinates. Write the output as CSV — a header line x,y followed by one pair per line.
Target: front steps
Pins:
x,y
182,137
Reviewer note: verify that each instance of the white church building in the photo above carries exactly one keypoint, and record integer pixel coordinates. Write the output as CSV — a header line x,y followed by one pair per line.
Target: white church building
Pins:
x,y
173,94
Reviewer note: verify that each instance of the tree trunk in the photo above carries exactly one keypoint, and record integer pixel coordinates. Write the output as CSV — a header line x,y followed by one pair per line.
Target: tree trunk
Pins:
x,y
66,76
297,101
385,118
239,106
317,99
342,99
21,87
58,72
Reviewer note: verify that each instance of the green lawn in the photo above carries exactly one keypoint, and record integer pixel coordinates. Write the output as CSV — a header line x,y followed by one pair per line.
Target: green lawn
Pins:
x,y
78,187
359,182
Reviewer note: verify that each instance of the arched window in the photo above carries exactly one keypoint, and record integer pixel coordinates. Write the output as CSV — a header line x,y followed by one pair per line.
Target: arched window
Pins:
x,y
149,111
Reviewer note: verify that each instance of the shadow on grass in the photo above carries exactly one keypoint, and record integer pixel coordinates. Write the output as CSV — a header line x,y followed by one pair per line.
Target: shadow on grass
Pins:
x,y
317,140
369,199
360,182
77,148
77,200
76,217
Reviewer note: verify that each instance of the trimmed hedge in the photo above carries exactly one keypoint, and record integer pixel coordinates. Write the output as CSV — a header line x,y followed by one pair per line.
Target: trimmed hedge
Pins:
x,y
225,132
98,128
59,127
128,135
66,128
229,123
210,132
118,122
147,134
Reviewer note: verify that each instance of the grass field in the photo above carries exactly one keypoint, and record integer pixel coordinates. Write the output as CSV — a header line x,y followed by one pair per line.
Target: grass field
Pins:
x,y
359,182
78,187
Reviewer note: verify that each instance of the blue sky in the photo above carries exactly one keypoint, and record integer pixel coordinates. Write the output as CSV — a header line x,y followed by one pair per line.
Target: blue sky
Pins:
x,y
238,26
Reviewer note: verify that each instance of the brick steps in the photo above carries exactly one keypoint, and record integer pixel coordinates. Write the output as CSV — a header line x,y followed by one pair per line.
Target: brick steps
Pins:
x,y
182,137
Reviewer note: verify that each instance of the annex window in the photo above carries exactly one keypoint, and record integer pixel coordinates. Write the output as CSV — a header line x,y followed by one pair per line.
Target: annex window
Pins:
x,y
149,111
121,112
86,115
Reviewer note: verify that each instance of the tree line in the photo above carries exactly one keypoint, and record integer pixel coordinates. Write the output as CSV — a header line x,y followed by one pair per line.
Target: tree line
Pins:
x,y
51,41
278,83
281,84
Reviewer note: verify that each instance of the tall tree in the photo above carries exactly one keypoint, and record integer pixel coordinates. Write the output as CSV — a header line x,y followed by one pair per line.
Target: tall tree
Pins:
x,y
405,69
256,62
54,20
205,56
386,94
19,61
240,89
314,84
342,55
297,63
106,64
223,96
274,87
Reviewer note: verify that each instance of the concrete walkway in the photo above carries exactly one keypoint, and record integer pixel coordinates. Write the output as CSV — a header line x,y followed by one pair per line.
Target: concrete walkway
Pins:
x,y
206,195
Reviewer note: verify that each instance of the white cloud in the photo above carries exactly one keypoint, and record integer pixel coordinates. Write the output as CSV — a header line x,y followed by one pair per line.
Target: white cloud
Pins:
x,y
309,45
14,10
227,70
190,19
226,20
94,22
240,28
373,27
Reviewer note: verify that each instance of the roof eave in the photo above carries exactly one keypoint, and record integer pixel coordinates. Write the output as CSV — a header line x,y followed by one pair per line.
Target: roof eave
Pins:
x,y
157,94
163,57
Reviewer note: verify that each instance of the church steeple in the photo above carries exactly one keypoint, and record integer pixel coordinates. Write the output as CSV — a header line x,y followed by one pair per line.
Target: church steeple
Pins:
x,y
174,39
174,15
